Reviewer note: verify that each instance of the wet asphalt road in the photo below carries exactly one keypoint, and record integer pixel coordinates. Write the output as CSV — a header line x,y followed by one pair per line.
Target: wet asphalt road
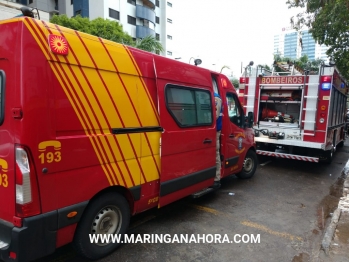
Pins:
x,y
288,203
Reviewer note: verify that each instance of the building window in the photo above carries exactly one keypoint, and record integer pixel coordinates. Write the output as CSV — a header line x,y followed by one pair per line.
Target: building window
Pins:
x,y
71,2
157,3
189,106
169,53
131,20
169,37
132,2
169,4
157,36
30,1
114,14
169,20
157,20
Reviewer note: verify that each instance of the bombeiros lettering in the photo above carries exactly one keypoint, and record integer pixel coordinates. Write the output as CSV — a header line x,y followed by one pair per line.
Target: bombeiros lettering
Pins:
x,y
282,80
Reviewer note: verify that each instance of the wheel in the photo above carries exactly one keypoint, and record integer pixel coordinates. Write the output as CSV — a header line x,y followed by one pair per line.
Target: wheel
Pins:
x,y
107,214
250,165
329,156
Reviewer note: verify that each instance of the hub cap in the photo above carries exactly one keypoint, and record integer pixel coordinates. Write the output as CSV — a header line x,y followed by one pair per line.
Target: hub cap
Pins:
x,y
107,221
248,165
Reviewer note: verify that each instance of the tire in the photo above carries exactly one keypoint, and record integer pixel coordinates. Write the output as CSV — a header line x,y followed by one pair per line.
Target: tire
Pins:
x,y
107,214
328,156
250,165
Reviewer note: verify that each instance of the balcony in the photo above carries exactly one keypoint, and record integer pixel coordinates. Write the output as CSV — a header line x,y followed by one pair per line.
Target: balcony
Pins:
x,y
146,13
149,3
142,31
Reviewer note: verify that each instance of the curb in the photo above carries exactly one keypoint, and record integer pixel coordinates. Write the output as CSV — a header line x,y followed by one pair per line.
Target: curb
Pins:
x,y
326,241
342,207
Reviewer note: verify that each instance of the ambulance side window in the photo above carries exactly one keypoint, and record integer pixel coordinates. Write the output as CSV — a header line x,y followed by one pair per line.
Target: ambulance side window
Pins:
x,y
2,88
234,109
189,106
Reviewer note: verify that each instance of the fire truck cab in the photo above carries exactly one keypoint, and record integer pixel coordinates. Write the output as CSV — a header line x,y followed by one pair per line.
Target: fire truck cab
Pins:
x,y
298,114
93,132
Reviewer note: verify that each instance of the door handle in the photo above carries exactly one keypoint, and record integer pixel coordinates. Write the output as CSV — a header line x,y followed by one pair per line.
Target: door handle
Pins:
x,y
231,136
207,141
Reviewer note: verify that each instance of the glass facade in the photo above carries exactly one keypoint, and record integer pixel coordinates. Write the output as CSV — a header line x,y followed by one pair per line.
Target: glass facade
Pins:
x,y
81,7
308,45
290,46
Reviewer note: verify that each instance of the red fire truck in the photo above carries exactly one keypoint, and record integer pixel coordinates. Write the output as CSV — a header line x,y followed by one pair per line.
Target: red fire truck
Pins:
x,y
297,115
92,132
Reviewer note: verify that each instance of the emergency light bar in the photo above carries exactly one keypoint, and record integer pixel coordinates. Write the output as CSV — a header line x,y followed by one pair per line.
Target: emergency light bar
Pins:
x,y
326,82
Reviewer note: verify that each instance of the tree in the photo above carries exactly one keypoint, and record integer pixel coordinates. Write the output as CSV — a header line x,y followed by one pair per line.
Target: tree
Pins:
x,y
107,29
302,63
150,44
235,82
328,21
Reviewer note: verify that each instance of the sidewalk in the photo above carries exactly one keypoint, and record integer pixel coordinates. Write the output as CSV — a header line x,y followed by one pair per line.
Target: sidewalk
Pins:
x,y
336,239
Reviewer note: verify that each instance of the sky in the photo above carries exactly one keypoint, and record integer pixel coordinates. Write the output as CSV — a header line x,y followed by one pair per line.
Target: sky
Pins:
x,y
229,32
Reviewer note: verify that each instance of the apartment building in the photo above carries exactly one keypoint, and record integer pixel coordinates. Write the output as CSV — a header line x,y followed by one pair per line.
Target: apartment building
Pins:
x,y
139,18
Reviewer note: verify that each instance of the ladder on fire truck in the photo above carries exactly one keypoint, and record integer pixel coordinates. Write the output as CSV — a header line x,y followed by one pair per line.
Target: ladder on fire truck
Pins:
x,y
287,68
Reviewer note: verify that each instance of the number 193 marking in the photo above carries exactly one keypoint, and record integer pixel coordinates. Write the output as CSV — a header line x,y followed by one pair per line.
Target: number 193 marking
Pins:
x,y
3,180
49,157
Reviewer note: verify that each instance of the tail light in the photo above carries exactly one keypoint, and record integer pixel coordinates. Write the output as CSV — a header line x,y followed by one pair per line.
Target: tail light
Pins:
x,y
27,192
326,82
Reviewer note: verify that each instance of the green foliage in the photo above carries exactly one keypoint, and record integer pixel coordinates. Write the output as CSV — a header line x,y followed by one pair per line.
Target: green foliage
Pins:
x,y
110,30
235,82
303,63
264,66
328,21
107,29
150,44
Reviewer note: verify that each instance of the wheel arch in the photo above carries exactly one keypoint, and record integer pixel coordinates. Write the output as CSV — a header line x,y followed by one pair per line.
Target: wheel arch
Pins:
x,y
125,192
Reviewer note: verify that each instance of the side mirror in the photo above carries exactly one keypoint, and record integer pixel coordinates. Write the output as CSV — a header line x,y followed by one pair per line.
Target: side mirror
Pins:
x,y
250,119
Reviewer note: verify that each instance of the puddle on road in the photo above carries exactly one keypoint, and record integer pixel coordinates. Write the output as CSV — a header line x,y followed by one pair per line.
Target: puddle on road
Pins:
x,y
302,257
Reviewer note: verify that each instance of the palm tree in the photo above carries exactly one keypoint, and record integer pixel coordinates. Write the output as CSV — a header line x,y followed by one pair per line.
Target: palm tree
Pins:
x,y
150,44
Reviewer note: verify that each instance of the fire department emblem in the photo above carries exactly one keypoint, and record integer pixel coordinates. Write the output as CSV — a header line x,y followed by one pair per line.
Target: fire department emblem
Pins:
x,y
58,44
